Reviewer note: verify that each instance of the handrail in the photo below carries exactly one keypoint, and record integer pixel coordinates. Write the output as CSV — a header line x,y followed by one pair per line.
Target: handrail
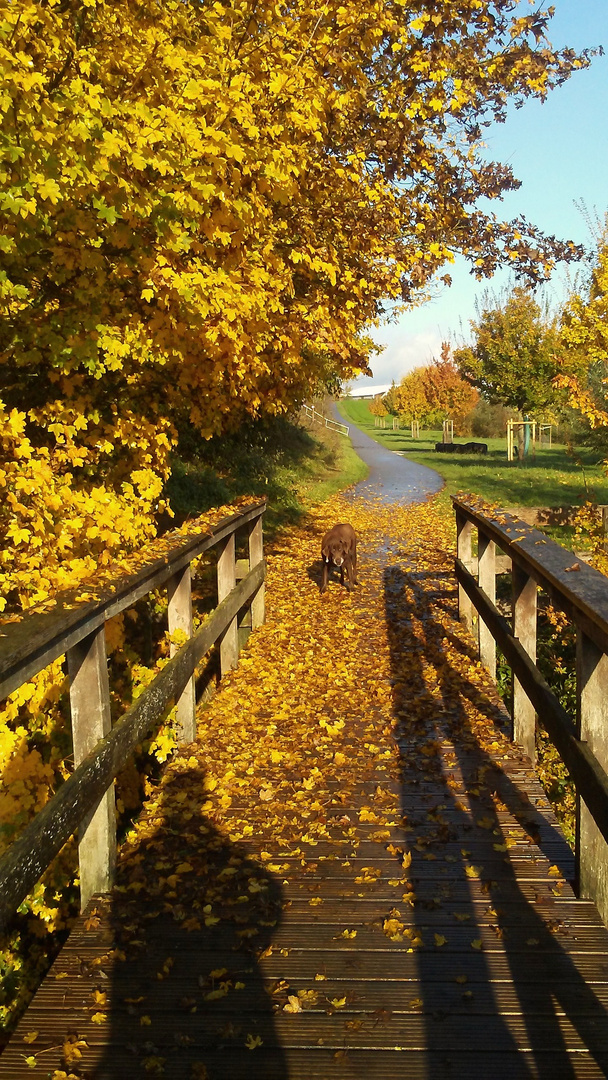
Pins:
x,y
320,418
77,627
581,592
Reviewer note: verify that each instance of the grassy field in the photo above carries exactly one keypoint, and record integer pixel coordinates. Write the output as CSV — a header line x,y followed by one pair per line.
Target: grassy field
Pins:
x,y
294,464
553,478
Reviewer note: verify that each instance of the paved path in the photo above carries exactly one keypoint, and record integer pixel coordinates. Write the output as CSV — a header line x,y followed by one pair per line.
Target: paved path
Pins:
x,y
392,477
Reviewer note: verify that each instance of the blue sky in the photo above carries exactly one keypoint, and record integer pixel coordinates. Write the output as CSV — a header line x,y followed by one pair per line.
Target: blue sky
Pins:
x,y
559,150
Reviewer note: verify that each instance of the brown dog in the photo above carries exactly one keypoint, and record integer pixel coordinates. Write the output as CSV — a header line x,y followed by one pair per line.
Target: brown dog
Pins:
x,y
339,547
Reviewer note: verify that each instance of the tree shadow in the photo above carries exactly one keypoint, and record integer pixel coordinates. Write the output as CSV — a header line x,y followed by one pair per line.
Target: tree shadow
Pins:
x,y
186,925
503,989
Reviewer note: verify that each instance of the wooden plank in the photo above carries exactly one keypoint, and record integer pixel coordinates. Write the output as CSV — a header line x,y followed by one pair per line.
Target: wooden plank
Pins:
x,y
256,554
38,638
464,532
583,595
92,722
486,563
586,771
42,838
524,629
592,727
179,617
226,577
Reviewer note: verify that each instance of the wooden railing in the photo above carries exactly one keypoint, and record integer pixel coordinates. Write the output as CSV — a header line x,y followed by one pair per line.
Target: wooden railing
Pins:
x,y
320,418
582,594
85,802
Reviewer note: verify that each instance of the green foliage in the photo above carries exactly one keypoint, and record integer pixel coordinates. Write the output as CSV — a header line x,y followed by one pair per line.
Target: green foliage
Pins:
x,y
514,358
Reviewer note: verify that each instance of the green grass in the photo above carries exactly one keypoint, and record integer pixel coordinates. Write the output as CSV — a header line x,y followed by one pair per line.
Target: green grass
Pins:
x,y
295,464
553,478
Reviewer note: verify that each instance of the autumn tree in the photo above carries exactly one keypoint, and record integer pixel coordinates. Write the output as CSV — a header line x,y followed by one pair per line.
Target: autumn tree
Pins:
x,y
449,395
583,337
515,355
377,406
411,401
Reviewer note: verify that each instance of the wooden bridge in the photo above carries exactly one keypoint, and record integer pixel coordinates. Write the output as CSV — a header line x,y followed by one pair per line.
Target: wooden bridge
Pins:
x,y
427,921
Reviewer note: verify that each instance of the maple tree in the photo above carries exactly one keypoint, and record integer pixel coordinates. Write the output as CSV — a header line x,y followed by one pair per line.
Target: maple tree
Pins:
x,y
202,207
583,336
436,392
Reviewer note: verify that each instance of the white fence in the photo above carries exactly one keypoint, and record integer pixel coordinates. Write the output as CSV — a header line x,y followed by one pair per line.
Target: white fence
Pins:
x,y
319,418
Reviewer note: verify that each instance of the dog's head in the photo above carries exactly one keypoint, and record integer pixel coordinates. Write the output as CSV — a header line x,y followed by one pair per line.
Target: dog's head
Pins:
x,y
334,550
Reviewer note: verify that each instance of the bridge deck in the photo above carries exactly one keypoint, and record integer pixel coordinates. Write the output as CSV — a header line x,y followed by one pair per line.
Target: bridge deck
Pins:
x,y
414,919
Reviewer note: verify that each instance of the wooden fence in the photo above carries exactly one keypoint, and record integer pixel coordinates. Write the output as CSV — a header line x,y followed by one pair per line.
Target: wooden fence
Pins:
x,y
85,802
582,593
320,418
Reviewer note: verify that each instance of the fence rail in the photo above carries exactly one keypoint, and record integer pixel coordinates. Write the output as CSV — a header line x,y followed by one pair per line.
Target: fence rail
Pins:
x,y
582,594
86,801
319,418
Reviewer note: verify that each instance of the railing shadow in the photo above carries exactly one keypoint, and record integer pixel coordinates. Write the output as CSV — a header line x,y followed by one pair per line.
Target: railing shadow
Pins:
x,y
189,919
498,983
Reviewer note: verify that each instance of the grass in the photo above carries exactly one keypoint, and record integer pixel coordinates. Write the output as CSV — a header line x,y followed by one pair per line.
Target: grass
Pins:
x,y
295,464
554,478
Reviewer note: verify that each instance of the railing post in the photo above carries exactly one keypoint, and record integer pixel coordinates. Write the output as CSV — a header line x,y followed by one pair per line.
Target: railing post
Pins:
x,y
486,559
464,530
524,628
179,593
226,580
91,722
592,723
256,554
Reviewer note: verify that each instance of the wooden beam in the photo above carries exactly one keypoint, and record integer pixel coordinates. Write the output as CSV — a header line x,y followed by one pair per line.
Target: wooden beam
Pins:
x,y
592,727
256,554
464,534
226,577
486,568
582,593
92,722
179,616
587,773
524,629
39,637
27,859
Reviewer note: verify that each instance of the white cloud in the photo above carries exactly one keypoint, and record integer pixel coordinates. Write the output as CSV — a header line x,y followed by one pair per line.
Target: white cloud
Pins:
x,y
402,353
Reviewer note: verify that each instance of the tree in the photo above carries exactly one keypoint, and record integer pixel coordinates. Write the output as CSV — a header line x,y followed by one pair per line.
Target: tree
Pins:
x,y
203,206
377,406
583,336
515,355
411,400
449,395
436,392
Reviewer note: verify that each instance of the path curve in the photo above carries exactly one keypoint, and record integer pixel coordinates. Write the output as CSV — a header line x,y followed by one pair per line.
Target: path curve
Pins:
x,y
392,477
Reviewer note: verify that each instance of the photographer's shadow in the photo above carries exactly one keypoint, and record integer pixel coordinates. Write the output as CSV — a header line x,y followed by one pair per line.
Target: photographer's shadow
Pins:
x,y
191,916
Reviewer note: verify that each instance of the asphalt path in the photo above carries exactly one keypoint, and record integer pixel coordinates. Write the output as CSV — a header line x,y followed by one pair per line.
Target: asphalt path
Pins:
x,y
392,477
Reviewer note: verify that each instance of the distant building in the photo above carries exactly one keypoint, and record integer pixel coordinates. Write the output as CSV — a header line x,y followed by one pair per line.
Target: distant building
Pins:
x,y
369,391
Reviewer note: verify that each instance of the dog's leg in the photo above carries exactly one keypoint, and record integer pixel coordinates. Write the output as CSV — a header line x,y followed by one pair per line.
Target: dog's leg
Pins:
x,y
342,573
349,571
325,575
355,581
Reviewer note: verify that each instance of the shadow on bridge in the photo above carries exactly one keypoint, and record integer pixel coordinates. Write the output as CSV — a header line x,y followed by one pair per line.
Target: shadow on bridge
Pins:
x,y
505,993
191,916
